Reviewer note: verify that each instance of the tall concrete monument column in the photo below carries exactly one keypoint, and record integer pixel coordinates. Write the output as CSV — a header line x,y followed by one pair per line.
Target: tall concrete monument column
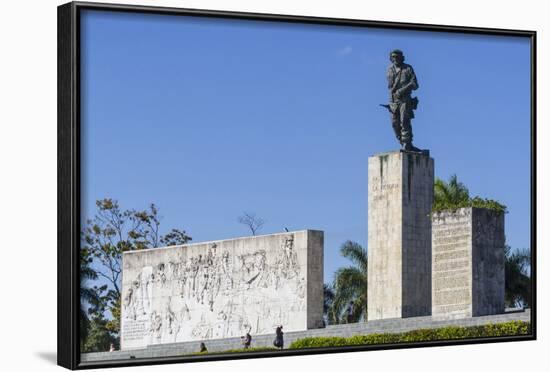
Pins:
x,y
399,234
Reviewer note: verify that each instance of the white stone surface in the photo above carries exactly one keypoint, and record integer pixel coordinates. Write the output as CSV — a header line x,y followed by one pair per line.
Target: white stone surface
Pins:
x,y
468,263
399,235
222,289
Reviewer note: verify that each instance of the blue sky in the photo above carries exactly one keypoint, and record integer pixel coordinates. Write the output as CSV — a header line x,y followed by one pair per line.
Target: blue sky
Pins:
x,y
208,118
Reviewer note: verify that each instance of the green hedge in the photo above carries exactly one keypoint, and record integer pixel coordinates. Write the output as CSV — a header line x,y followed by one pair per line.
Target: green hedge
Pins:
x,y
446,333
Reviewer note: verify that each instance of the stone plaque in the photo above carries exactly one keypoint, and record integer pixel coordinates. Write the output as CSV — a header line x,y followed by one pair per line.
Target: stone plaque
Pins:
x,y
468,263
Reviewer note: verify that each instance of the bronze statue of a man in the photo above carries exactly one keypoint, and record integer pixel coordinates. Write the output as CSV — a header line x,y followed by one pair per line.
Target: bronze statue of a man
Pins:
x,y
401,82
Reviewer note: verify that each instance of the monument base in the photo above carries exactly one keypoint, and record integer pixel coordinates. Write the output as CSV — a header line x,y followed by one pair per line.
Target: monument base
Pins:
x,y
399,234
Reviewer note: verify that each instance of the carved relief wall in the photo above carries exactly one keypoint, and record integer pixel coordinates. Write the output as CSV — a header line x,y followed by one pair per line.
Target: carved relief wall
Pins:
x,y
222,289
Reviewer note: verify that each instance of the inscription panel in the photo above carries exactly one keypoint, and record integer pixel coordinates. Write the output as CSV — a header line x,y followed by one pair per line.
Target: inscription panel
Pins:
x,y
452,264
134,329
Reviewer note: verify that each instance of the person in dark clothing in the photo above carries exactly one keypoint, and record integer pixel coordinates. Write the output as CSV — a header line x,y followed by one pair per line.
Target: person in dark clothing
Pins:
x,y
203,348
279,342
247,340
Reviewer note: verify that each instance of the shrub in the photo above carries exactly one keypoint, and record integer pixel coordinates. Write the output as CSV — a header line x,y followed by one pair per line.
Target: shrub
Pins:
x,y
445,333
476,202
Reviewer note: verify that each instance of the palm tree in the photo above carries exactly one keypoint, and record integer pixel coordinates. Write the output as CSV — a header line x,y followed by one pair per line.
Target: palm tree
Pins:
x,y
350,286
517,278
450,194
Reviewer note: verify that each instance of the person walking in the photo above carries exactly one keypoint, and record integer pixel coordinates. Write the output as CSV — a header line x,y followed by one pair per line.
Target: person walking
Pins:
x,y
246,340
279,342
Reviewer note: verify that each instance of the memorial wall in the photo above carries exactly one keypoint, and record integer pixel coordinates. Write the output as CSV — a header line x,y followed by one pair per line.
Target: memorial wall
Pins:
x,y
222,289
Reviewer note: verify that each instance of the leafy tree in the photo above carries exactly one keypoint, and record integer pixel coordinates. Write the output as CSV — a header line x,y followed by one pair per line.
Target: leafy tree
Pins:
x,y
251,221
99,338
517,277
350,286
88,295
174,237
105,237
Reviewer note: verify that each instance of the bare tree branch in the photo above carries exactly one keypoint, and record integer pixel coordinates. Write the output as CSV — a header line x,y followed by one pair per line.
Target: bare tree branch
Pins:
x,y
251,221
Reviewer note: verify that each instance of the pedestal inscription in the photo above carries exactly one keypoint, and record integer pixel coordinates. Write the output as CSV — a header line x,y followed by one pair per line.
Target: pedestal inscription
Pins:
x,y
451,263
399,235
222,289
468,263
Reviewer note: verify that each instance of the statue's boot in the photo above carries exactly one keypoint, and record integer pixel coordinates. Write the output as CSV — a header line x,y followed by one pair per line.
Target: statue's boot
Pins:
x,y
408,146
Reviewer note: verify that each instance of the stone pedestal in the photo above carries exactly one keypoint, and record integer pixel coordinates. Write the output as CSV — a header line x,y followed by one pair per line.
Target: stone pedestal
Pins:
x,y
468,263
399,235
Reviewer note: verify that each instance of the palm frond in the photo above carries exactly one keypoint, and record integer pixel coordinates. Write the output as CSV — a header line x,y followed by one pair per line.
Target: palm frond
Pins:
x,y
349,296
452,192
356,254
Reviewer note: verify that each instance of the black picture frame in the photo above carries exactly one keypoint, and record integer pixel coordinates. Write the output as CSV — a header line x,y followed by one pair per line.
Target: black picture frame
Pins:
x,y
69,176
